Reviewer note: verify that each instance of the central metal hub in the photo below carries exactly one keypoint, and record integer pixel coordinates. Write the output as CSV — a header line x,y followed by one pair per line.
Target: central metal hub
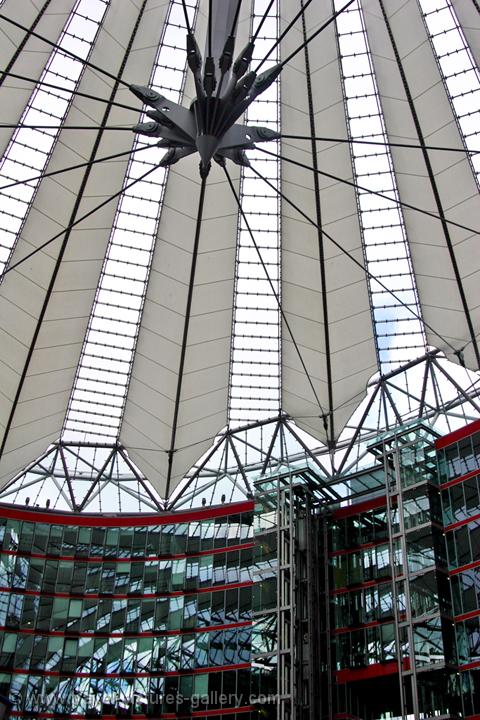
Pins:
x,y
224,92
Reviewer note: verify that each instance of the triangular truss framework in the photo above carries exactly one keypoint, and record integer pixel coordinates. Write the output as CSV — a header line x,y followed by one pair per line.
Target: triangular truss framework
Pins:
x,y
88,477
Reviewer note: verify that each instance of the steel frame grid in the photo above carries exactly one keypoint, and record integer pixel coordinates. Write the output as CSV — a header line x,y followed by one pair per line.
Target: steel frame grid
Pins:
x,y
271,447
240,398
379,216
386,400
121,228
67,96
470,67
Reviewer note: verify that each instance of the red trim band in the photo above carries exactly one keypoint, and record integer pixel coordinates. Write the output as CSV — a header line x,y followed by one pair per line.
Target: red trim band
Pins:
x,y
95,634
125,596
370,671
373,623
143,559
169,673
467,615
459,523
163,716
360,507
55,517
469,666
457,435
359,586
357,548
460,479
464,568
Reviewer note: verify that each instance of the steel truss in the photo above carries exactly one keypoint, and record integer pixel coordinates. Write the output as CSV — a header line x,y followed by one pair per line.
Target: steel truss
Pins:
x,y
80,477
96,477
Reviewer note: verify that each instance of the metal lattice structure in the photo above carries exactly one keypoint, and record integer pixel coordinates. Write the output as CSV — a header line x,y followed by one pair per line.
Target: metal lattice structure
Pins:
x,y
315,283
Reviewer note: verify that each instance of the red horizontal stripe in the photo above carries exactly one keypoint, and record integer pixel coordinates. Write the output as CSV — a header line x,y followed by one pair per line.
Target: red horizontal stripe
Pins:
x,y
460,479
362,626
359,586
162,716
96,635
144,558
220,711
360,507
125,596
55,517
459,523
357,548
457,435
150,673
463,568
370,671
469,666
467,615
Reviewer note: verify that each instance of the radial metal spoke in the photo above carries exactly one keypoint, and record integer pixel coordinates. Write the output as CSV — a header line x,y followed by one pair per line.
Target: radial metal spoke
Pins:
x,y
317,32
74,167
69,53
77,221
274,293
393,200
77,93
381,143
283,34
354,260
18,126
188,309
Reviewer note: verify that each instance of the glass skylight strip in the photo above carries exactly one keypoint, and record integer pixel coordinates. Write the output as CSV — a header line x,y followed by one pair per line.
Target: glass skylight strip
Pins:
x,y
29,150
460,73
255,355
399,334
99,393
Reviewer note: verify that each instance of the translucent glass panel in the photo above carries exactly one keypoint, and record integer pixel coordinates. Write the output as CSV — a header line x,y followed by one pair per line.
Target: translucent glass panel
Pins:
x,y
460,458
461,501
394,298
463,544
118,609
372,563
358,530
255,370
29,150
367,646
459,70
363,606
129,542
466,591
99,393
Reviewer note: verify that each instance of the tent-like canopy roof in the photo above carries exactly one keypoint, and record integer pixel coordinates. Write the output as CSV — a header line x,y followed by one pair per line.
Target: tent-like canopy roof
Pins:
x,y
147,303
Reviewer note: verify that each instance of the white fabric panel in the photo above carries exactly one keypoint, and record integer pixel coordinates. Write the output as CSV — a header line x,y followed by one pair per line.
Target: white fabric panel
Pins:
x,y
352,347
437,287
149,414
51,369
469,19
32,59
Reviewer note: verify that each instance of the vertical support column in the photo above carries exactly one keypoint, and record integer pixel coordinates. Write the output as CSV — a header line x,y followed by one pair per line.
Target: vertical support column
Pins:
x,y
407,622
286,589
287,512
327,626
391,492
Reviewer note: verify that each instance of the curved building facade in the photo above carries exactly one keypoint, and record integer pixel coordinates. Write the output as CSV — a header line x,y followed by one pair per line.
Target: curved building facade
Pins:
x,y
143,615
239,359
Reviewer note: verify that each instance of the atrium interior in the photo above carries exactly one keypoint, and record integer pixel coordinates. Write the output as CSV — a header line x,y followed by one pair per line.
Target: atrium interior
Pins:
x,y
239,359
